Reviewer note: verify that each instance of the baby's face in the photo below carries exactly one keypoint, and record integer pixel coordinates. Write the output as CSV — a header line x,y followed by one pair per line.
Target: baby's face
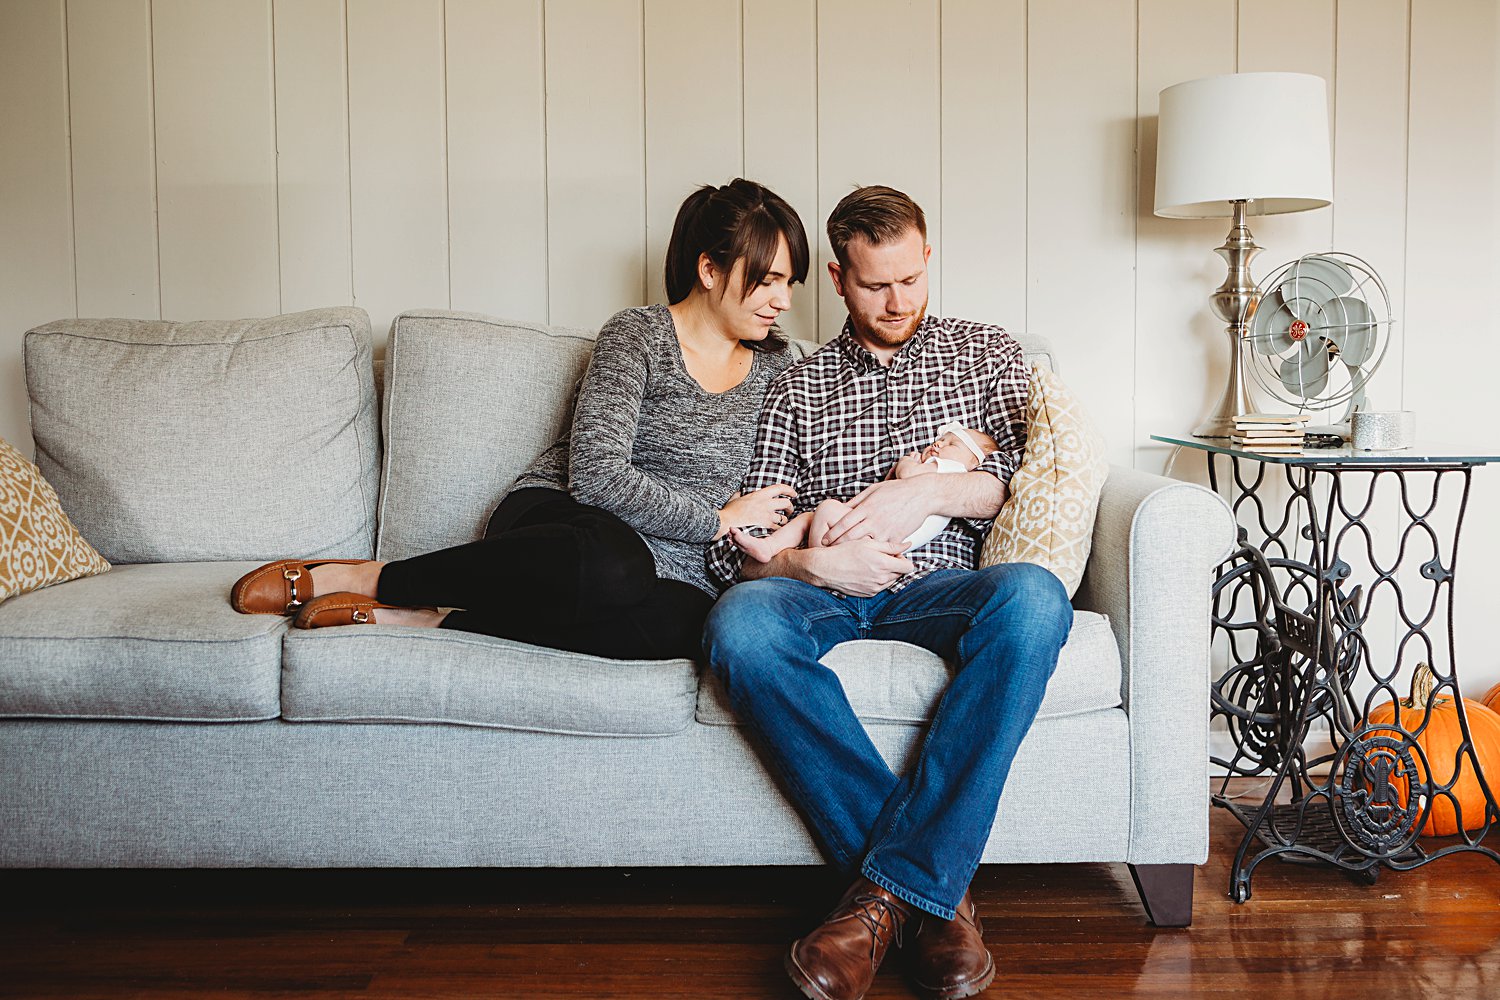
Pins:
x,y
950,446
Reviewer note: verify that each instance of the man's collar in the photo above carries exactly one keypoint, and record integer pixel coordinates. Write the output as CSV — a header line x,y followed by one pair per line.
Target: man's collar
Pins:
x,y
863,361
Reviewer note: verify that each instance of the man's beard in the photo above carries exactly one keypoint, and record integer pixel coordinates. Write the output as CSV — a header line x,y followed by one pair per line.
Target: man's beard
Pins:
x,y
886,337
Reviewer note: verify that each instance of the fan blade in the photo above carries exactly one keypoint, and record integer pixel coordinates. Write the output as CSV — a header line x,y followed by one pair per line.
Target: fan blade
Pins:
x,y
1306,374
1350,325
1270,325
1317,279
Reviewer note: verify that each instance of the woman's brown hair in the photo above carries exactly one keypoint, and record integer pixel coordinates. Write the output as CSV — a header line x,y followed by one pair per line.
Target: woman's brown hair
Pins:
x,y
742,220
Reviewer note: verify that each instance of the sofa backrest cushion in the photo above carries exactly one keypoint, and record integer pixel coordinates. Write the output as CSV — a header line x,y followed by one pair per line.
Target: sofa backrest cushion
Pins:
x,y
217,440
470,401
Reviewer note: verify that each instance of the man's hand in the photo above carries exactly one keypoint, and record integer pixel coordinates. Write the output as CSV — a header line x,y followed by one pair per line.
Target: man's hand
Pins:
x,y
861,568
893,509
889,511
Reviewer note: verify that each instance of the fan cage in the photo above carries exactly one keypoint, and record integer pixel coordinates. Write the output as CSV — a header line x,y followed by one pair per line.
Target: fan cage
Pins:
x,y
1264,366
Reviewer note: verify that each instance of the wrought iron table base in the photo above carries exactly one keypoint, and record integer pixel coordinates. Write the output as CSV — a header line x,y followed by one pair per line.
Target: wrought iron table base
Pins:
x,y
1297,647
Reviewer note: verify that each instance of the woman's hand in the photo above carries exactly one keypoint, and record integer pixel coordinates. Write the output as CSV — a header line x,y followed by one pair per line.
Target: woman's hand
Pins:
x,y
770,506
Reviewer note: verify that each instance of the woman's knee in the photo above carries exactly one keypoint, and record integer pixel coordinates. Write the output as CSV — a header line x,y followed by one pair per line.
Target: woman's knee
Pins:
x,y
613,570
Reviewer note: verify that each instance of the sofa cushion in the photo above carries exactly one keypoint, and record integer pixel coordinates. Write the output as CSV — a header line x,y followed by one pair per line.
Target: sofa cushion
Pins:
x,y
153,642
898,682
1048,518
470,401
373,673
39,546
218,440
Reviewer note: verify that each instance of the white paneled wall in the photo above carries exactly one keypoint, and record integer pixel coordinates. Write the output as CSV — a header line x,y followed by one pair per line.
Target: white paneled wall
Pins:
x,y
215,97
184,159
312,153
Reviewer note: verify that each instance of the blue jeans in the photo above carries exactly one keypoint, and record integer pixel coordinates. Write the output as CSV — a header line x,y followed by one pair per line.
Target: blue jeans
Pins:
x,y
919,836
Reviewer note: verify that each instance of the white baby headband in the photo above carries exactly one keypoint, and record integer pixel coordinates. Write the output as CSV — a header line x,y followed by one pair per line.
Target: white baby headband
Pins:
x,y
957,430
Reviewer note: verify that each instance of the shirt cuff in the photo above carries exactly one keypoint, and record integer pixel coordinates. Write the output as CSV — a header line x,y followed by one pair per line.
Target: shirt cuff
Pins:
x,y
724,561
1000,464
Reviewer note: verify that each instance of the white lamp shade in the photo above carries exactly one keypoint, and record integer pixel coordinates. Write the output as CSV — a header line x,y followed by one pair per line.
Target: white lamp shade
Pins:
x,y
1262,137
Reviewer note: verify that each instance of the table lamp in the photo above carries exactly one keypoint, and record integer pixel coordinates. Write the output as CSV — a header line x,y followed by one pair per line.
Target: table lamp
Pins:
x,y
1234,146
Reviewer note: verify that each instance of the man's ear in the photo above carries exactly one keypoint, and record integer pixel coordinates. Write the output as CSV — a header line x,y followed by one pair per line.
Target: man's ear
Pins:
x,y
927,253
837,274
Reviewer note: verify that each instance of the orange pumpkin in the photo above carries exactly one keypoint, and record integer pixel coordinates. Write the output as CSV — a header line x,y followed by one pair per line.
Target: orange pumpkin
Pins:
x,y
1440,742
1491,700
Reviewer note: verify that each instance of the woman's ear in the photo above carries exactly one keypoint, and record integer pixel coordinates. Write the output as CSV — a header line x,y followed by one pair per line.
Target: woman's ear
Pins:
x,y
708,274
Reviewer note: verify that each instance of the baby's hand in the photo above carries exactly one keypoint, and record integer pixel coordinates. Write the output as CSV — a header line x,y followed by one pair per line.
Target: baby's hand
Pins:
x,y
909,465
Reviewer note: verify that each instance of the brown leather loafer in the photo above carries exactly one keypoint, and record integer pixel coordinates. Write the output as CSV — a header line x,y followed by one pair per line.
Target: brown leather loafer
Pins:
x,y
277,588
947,959
340,608
837,961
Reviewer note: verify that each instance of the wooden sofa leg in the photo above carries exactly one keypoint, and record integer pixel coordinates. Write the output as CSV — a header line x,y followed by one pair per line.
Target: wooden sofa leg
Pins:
x,y
1166,892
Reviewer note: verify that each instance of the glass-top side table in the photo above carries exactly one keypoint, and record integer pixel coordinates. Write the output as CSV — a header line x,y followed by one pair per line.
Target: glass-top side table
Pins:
x,y
1294,618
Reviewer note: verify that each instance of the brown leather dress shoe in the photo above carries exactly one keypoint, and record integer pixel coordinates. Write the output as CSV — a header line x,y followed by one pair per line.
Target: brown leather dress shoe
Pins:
x,y
277,588
340,608
837,961
947,959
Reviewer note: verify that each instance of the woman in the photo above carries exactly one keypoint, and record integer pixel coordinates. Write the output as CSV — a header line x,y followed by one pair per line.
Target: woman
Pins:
x,y
598,547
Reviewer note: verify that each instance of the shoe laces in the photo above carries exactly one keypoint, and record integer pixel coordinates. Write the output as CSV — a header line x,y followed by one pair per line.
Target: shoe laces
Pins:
x,y
872,910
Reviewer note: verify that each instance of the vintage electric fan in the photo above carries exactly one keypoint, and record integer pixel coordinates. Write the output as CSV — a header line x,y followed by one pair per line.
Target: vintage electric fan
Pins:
x,y
1319,331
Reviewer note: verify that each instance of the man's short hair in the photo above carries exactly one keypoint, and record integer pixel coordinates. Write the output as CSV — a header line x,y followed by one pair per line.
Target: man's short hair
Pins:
x,y
878,213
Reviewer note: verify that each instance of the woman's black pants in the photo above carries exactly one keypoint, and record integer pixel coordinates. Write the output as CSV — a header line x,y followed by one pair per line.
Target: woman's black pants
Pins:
x,y
554,572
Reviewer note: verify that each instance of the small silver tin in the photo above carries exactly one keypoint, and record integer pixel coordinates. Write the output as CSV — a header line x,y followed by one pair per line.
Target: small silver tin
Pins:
x,y
1384,430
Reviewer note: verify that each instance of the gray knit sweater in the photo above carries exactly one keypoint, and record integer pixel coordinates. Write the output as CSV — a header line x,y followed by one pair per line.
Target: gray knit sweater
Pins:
x,y
650,445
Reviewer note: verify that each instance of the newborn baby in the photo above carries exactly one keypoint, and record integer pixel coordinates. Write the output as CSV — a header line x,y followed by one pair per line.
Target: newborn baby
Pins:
x,y
956,449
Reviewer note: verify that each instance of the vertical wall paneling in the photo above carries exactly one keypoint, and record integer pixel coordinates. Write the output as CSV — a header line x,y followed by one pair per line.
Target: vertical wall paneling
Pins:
x,y
497,158
398,175
1081,199
36,221
1369,219
1452,336
114,157
984,160
1181,349
878,120
596,170
1289,36
780,44
215,158
694,112
312,147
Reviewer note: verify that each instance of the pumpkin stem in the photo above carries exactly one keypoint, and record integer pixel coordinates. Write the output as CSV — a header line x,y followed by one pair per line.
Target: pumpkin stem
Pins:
x,y
1423,680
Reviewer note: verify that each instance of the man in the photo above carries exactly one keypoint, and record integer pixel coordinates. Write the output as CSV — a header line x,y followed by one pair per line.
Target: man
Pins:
x,y
833,426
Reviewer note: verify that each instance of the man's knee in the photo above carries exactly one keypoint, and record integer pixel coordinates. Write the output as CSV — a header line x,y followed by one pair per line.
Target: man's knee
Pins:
x,y
1029,593
746,618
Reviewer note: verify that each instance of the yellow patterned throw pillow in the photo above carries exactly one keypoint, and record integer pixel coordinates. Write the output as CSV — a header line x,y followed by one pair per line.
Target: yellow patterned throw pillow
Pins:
x,y
38,544
1049,517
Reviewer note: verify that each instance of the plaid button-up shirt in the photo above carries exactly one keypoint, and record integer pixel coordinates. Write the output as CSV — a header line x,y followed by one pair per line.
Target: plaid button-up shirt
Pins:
x,y
838,421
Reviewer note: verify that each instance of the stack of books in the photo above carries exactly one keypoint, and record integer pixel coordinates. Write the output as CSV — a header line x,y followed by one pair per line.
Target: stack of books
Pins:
x,y
1270,433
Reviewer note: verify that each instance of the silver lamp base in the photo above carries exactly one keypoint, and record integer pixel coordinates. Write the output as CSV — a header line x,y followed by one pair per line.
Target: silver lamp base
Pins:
x,y
1234,302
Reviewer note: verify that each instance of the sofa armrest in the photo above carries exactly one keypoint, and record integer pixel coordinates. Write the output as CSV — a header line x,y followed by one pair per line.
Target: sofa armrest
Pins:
x,y
1155,545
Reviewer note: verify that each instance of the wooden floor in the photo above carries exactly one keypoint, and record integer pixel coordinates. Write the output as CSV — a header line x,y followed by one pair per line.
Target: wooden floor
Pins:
x,y
1074,931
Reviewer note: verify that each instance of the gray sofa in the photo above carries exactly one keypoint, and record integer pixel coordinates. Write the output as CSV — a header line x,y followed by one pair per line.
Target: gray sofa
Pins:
x,y
145,724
